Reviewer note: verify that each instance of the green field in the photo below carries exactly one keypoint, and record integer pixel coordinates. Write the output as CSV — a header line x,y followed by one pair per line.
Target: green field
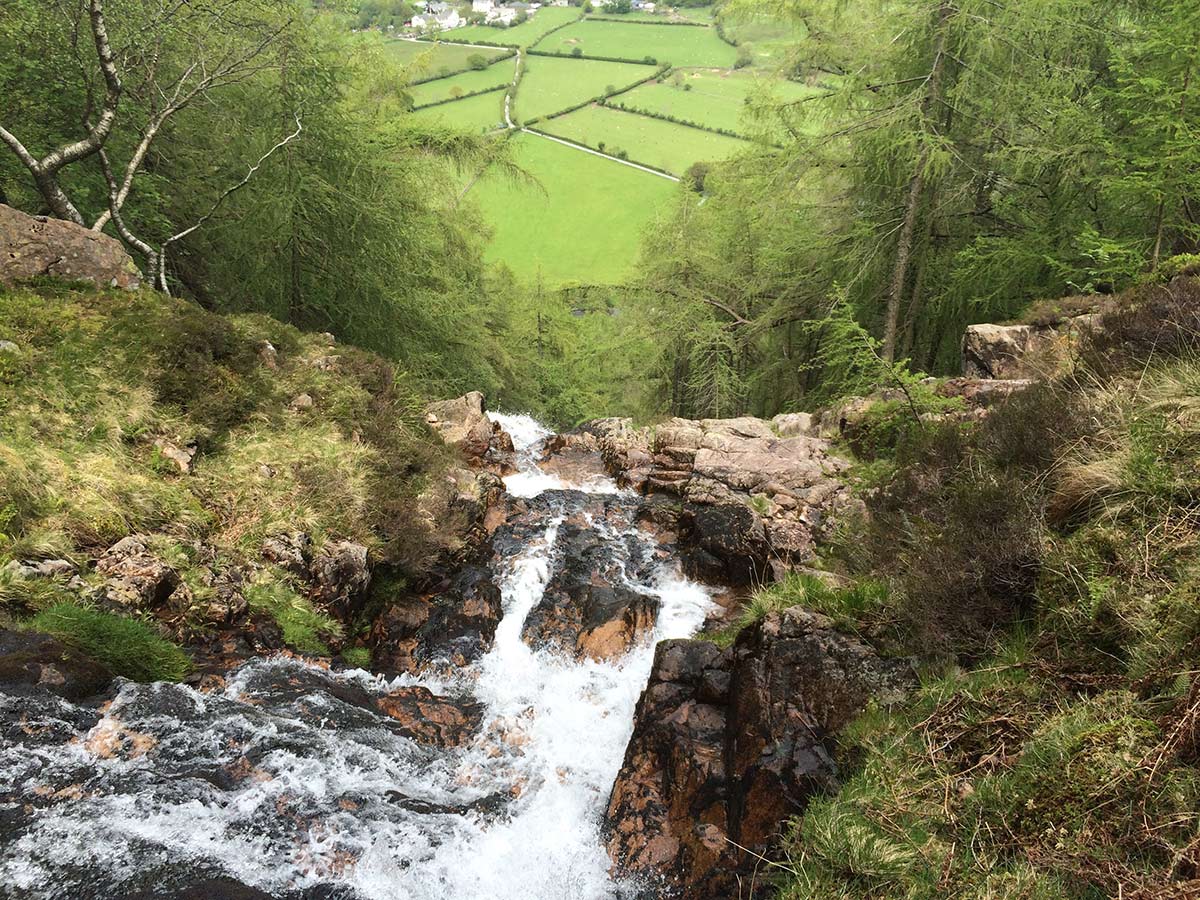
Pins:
x,y
654,142
769,40
691,14
551,85
431,58
482,113
467,82
522,35
712,97
679,45
585,228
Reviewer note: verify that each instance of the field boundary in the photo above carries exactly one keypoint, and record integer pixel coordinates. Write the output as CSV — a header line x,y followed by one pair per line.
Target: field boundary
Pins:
x,y
579,145
663,117
558,54
487,90
644,22
482,42
599,98
425,79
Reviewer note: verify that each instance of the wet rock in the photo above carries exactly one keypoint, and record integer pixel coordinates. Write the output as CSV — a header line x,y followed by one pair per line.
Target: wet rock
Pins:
x,y
228,603
457,512
135,577
341,575
725,542
456,624
217,887
728,745
30,660
290,550
34,246
429,719
588,609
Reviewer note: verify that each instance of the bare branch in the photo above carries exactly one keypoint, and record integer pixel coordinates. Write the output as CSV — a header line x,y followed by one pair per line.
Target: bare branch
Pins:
x,y
178,236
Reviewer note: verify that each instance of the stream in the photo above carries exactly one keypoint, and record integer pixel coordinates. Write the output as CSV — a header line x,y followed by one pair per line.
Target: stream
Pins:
x,y
287,782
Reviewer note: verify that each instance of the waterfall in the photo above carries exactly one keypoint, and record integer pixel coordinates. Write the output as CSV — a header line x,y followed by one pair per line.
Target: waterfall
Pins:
x,y
287,781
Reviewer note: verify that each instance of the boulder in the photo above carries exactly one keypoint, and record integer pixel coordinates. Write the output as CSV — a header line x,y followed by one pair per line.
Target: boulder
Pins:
x,y
588,608
181,456
1022,351
135,577
462,423
727,745
31,661
340,576
32,246
792,424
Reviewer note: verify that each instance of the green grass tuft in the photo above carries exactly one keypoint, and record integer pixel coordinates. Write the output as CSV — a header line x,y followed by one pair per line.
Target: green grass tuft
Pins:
x,y
126,646
304,628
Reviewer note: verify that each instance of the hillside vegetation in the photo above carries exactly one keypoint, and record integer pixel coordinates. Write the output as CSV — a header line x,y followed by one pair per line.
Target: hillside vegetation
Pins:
x,y
1041,566
137,414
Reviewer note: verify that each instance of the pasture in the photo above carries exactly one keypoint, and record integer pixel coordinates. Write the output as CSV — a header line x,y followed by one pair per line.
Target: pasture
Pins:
x,y
427,58
551,85
467,82
654,142
583,225
677,44
484,112
713,97
523,35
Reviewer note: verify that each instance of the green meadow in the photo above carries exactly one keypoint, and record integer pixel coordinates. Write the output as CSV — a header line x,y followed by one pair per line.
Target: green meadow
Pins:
x,y
428,58
484,112
679,45
444,88
523,35
551,85
713,97
583,224
654,142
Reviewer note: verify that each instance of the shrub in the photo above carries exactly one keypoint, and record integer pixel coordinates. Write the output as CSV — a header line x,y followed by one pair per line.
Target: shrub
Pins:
x,y
577,51
477,61
357,657
126,646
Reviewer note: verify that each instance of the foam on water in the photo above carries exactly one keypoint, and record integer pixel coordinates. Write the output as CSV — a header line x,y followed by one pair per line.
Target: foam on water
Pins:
x,y
315,808
528,436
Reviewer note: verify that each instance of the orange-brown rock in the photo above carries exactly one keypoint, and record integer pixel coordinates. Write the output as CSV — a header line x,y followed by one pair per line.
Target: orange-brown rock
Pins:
x,y
430,719
728,744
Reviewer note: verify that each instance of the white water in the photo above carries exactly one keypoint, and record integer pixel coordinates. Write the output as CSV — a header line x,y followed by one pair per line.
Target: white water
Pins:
x,y
530,480
554,734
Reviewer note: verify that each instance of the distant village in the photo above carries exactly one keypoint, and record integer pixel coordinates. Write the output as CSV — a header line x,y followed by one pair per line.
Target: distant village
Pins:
x,y
437,15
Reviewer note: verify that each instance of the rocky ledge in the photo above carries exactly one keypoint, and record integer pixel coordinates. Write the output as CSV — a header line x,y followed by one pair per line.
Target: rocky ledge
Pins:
x,y
727,745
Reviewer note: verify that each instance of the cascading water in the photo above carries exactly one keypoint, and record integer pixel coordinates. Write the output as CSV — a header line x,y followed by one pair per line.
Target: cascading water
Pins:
x,y
289,781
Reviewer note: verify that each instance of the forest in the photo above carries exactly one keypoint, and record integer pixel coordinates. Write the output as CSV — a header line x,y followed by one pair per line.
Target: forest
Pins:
x,y
955,163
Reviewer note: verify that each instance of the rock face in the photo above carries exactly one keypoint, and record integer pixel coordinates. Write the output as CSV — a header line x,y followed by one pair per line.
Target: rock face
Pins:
x,y
752,502
341,576
429,719
31,246
728,745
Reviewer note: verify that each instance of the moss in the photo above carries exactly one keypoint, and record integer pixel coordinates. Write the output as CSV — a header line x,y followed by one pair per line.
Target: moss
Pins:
x,y
357,657
127,647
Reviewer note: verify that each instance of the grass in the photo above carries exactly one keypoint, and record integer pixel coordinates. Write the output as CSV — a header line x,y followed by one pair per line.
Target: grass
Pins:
x,y
304,627
585,228
357,657
484,112
426,58
677,45
523,35
552,85
770,41
664,145
127,647
713,97
443,88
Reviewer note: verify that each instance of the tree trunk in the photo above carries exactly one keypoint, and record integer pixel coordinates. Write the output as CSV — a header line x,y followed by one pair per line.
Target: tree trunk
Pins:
x,y
916,190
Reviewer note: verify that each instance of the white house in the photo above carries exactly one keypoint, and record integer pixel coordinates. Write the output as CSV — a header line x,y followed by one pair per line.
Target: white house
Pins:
x,y
443,18
503,15
482,6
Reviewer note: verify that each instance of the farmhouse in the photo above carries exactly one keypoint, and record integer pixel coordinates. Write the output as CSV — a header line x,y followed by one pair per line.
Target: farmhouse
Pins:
x,y
437,15
482,6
